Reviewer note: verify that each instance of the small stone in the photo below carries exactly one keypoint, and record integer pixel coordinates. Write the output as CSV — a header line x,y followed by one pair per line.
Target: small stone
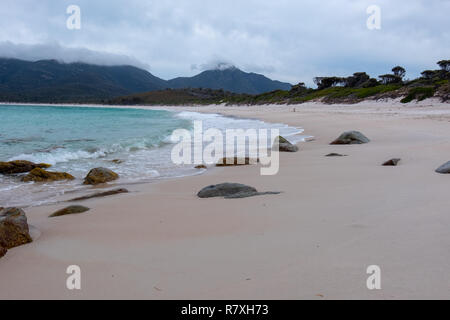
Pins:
x,y
393,162
335,155
202,166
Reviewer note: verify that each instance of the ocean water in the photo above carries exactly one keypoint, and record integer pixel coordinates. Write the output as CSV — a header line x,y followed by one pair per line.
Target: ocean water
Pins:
x,y
77,139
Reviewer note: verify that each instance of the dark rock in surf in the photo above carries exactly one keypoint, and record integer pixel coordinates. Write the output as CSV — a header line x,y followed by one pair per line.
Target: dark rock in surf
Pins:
x,y
41,175
20,166
100,175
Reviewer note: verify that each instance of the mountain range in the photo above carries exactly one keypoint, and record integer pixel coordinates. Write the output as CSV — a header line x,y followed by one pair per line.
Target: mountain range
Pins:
x,y
52,81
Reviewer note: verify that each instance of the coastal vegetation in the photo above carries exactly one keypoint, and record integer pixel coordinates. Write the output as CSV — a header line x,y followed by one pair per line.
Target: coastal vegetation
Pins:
x,y
353,89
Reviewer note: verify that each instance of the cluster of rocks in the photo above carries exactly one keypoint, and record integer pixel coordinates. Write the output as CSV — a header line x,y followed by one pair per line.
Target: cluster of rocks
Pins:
x,y
236,190
37,173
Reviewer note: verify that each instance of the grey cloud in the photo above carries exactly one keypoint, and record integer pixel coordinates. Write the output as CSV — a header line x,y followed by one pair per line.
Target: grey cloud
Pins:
x,y
289,40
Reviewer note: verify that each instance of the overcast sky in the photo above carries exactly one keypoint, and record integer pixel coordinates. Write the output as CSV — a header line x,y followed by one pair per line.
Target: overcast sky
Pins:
x,y
289,40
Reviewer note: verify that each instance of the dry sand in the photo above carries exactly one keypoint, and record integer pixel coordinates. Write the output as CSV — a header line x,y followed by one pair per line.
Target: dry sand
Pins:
x,y
335,217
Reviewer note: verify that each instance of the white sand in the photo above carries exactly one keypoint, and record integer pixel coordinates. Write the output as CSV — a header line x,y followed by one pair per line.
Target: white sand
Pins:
x,y
335,217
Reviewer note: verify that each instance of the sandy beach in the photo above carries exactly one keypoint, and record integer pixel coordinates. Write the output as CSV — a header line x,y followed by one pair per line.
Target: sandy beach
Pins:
x,y
315,240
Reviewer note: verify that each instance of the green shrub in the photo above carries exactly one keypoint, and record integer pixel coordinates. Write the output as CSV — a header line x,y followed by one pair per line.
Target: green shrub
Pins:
x,y
419,93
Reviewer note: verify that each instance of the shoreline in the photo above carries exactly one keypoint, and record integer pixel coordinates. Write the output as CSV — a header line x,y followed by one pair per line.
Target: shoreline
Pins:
x,y
334,218
221,121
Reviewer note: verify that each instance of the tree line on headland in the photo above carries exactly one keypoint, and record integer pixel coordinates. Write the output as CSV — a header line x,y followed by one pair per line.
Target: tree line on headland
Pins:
x,y
356,88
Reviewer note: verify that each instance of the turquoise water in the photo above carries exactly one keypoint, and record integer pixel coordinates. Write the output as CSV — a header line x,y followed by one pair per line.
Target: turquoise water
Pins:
x,y
135,143
60,134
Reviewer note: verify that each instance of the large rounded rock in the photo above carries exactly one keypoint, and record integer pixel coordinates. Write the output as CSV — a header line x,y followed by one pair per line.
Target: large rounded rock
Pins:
x,y
20,166
69,210
282,145
2,251
100,175
13,228
41,175
230,191
445,168
351,137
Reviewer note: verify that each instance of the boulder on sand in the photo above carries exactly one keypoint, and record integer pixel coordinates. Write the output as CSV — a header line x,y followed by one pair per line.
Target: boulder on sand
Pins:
x,y
351,137
283,145
230,191
393,162
100,175
445,168
69,210
41,175
13,228
2,251
20,166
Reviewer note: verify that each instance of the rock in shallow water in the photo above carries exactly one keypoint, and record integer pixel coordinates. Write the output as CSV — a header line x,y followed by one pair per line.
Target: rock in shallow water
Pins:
x,y
69,210
283,145
41,175
230,191
445,168
351,137
20,166
14,229
100,175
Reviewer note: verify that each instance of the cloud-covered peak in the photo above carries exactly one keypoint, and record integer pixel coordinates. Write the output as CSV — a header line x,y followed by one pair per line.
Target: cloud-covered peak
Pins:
x,y
54,51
